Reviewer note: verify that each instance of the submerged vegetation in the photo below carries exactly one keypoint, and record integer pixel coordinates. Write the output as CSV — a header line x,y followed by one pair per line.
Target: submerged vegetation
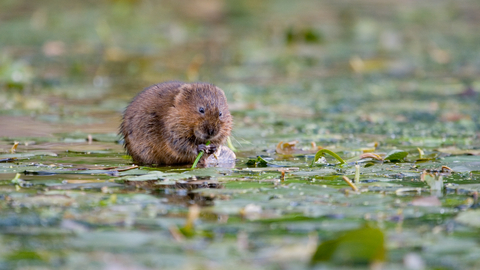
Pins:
x,y
357,133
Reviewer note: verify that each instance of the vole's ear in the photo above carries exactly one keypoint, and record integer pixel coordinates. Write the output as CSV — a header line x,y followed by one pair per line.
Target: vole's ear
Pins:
x,y
184,91
220,90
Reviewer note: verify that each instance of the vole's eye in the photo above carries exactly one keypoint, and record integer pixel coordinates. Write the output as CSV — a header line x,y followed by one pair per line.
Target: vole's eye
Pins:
x,y
201,110
220,114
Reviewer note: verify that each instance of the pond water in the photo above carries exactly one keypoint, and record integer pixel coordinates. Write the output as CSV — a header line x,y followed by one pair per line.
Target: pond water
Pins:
x,y
389,86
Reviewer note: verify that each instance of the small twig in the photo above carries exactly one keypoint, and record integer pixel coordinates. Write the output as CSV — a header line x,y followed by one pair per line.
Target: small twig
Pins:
x,y
282,177
446,169
349,182
357,174
14,147
371,155
176,234
120,170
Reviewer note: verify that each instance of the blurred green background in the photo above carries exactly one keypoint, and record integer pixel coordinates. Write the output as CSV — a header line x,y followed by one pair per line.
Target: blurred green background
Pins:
x,y
75,65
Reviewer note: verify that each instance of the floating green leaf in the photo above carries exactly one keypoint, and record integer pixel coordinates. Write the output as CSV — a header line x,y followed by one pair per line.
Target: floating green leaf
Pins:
x,y
24,255
258,162
396,155
360,246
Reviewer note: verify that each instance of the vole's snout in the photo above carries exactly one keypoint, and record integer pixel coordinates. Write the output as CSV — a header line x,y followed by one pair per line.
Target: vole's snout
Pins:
x,y
206,131
211,131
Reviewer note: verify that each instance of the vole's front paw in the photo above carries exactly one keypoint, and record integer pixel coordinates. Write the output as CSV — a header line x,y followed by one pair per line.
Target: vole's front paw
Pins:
x,y
211,149
201,148
208,149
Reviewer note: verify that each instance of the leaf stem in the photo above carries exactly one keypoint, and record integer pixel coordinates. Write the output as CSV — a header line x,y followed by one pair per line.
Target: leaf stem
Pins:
x,y
199,157
326,151
230,145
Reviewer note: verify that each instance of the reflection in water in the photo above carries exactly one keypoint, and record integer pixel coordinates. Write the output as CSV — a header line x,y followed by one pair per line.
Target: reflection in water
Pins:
x,y
181,192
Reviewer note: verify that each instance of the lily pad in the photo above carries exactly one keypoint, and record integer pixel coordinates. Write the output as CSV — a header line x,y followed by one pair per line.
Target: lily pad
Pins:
x,y
396,155
361,246
470,218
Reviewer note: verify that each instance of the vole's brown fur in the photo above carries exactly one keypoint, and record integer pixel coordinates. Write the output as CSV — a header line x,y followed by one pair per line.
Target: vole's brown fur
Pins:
x,y
168,123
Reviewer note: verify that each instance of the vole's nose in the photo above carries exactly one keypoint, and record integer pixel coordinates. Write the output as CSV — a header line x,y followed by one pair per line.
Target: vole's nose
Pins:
x,y
210,131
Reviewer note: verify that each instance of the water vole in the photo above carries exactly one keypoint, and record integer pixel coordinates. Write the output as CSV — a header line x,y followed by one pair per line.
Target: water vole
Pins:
x,y
169,123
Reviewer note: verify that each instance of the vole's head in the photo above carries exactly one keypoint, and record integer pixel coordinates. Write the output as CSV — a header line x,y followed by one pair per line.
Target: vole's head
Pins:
x,y
203,109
